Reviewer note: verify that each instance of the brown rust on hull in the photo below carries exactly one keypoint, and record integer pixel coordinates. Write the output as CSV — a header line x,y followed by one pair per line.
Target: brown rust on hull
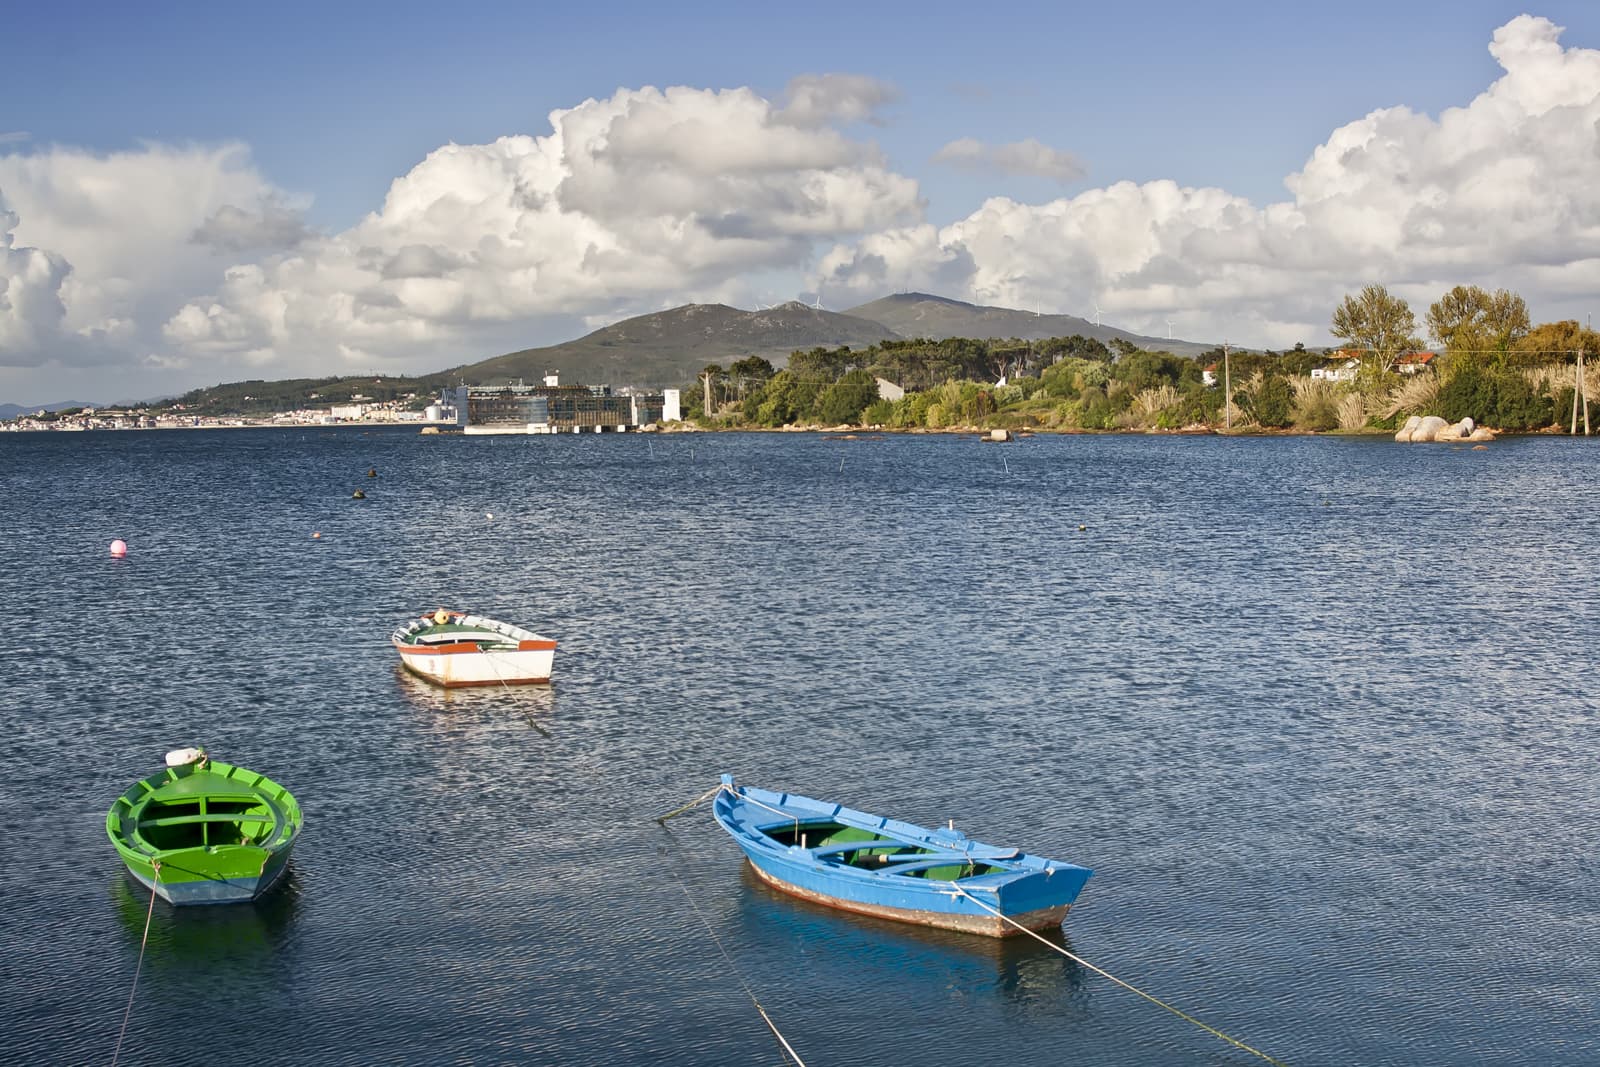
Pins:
x,y
986,925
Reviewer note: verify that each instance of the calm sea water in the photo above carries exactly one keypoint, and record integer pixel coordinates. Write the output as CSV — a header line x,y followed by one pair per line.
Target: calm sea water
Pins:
x,y
1320,714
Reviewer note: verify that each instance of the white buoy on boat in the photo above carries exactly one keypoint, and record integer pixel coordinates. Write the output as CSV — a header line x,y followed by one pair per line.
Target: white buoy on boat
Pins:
x,y
182,757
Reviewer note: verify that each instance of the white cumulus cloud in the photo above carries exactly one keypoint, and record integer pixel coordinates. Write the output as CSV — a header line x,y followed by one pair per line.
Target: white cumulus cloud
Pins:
x,y
649,196
125,234
1499,192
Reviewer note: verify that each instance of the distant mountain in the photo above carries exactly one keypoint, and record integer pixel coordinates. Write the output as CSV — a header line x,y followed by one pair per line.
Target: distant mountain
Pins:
x,y
11,411
936,317
668,348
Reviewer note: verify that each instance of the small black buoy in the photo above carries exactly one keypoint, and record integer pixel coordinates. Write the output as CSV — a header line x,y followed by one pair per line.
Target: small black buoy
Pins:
x,y
372,472
358,495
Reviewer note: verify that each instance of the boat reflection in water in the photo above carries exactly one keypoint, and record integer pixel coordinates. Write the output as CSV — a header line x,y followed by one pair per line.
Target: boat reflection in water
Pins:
x,y
536,704
903,955
208,940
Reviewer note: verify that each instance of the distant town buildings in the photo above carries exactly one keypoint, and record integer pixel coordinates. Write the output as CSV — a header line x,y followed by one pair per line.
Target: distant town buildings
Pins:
x,y
551,407
365,412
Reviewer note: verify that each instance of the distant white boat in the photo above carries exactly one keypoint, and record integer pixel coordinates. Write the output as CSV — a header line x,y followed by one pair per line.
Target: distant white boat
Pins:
x,y
454,649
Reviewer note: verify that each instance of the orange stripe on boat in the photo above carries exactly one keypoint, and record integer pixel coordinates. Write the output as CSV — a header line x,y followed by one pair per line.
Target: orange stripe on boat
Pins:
x,y
437,650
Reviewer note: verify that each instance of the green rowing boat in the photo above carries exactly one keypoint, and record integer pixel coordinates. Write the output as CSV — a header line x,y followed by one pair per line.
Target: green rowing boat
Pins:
x,y
205,832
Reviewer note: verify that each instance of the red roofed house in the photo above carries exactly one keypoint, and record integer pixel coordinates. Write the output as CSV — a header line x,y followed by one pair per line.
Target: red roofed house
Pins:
x,y
1414,362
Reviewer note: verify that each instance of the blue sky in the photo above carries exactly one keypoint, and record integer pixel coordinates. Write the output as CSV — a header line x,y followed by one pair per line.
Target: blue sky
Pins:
x,y
325,106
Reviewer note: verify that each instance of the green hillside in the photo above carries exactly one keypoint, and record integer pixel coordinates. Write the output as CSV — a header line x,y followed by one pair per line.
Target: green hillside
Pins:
x,y
669,348
937,317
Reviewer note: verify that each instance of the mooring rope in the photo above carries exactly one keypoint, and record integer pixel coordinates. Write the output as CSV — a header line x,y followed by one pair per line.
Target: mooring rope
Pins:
x,y
1106,974
696,802
155,866
747,798
488,657
733,967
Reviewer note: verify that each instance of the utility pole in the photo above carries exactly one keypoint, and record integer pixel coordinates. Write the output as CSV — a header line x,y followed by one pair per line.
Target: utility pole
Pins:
x,y
1577,389
1580,394
1227,390
1583,378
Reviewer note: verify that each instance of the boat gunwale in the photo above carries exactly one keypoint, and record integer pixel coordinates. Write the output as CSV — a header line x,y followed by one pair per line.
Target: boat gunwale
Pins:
x,y
125,822
402,635
1012,867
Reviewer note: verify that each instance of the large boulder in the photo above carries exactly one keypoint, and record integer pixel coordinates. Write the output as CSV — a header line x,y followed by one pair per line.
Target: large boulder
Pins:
x,y
1428,429
1420,428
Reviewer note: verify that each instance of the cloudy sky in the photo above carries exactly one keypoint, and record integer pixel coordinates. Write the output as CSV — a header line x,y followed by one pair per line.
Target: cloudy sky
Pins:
x,y
192,194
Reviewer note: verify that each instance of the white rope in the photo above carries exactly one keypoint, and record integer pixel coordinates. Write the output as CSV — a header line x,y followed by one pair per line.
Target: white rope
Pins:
x,y
155,866
1105,974
748,799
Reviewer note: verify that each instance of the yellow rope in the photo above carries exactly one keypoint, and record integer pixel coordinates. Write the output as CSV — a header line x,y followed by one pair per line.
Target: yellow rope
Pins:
x,y
1132,989
697,801
731,965
155,867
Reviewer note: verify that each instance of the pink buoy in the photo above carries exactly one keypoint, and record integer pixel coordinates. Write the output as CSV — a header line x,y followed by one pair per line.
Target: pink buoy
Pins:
x,y
119,548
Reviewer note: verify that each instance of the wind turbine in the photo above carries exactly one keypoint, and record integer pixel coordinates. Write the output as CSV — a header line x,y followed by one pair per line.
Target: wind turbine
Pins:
x,y
1097,314
818,305
1169,329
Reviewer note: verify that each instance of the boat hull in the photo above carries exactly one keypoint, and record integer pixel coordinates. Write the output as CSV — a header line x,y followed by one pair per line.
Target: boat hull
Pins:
x,y
985,924
186,880
851,860
456,670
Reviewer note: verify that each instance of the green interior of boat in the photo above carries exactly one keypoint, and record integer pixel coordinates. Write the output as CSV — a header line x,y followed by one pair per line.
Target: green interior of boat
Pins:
x,y
451,632
876,852
199,822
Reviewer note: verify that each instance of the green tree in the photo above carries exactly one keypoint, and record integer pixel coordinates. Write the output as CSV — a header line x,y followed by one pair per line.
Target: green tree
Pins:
x,y
844,400
749,372
1141,370
787,398
1383,326
1555,342
1275,402
822,365
1054,349
1473,323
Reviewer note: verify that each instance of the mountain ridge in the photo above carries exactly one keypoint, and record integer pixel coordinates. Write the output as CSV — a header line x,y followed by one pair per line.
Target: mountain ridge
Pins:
x,y
669,348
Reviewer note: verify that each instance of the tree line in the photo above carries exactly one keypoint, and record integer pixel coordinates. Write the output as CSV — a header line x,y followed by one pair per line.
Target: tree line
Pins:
x,y
1493,365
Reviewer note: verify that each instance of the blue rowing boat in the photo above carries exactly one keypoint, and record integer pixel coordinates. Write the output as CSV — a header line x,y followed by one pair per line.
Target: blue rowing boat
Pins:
x,y
864,863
